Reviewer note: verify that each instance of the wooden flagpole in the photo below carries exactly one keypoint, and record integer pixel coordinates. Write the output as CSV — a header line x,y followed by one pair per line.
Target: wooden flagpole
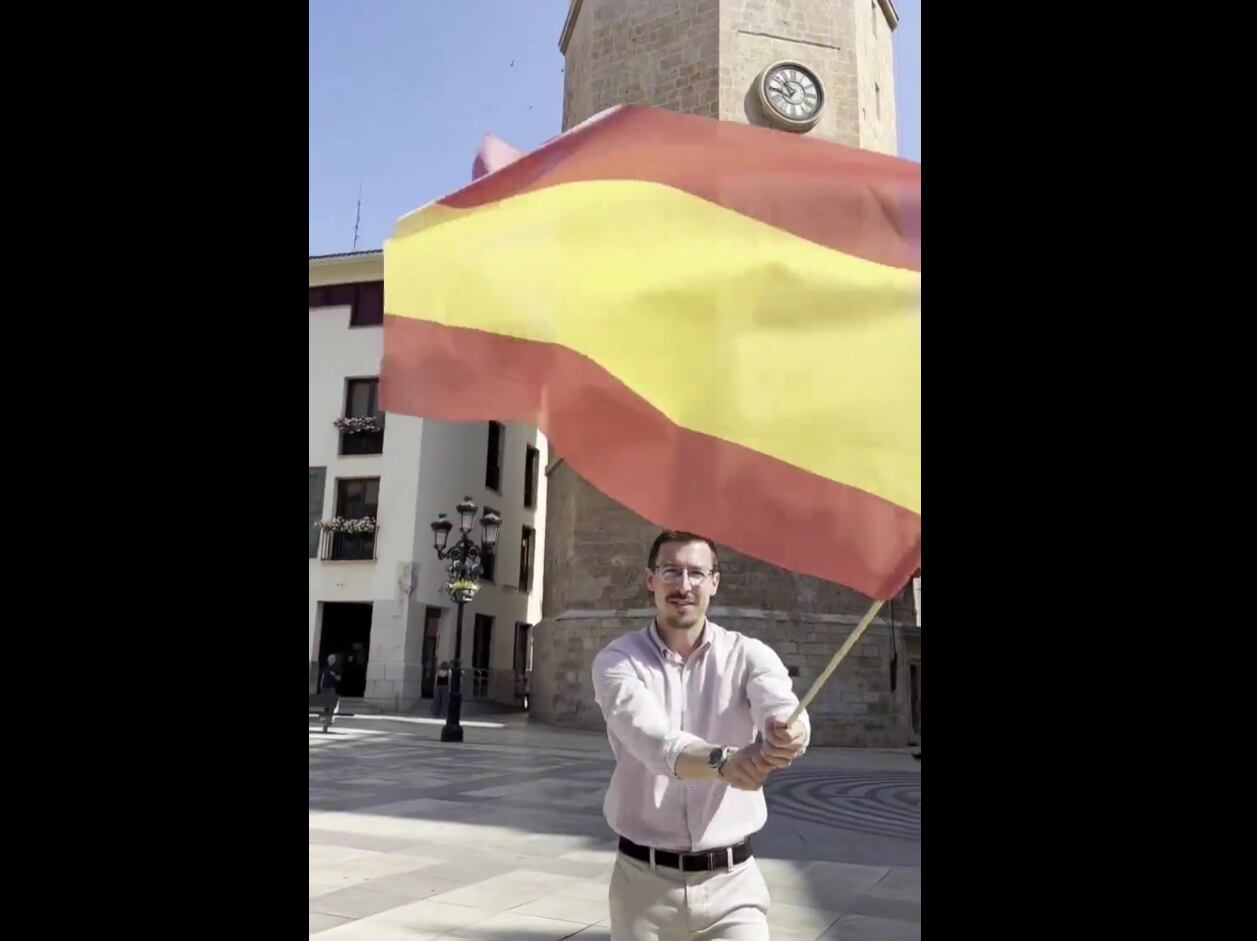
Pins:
x,y
850,642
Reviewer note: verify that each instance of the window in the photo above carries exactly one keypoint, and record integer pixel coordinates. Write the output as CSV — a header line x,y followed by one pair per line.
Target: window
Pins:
x,y
532,459
368,309
488,557
318,477
331,295
525,558
493,460
365,301
362,400
877,93
356,499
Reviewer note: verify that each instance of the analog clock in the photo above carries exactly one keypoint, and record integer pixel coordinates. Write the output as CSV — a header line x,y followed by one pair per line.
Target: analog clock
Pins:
x,y
791,95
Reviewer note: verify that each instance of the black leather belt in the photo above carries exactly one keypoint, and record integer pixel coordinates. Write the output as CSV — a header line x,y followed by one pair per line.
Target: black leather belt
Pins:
x,y
690,862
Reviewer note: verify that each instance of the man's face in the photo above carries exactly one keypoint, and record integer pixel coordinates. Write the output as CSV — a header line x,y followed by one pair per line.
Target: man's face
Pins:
x,y
331,660
681,591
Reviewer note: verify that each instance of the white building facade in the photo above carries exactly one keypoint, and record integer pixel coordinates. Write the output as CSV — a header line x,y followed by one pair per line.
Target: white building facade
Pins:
x,y
375,588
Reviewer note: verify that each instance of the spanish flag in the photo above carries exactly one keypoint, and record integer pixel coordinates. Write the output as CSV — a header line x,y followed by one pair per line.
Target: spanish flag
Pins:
x,y
717,325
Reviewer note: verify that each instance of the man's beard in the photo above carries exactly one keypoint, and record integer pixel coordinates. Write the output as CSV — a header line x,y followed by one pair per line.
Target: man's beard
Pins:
x,y
682,619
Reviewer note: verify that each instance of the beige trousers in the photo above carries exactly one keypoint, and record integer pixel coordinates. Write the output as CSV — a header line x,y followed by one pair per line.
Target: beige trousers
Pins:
x,y
670,905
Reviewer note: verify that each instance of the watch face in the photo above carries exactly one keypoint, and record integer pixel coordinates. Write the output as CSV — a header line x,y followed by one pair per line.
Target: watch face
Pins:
x,y
792,95
714,758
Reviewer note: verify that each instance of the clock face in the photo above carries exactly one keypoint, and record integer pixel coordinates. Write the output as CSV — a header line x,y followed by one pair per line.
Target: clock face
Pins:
x,y
792,95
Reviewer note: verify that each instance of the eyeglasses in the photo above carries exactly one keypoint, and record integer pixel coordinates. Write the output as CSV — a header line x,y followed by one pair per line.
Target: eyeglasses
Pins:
x,y
672,574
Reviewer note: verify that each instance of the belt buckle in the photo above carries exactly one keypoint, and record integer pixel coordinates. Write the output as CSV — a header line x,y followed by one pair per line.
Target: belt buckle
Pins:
x,y
714,856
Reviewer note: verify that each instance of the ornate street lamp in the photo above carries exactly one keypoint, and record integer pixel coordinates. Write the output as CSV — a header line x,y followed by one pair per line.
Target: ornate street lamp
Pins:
x,y
463,583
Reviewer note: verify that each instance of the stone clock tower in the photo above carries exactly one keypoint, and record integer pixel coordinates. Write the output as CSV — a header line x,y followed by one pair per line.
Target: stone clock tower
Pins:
x,y
817,67
705,56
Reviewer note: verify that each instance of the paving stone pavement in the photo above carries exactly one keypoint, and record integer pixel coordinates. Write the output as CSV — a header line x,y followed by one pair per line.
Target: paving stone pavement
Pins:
x,y
502,838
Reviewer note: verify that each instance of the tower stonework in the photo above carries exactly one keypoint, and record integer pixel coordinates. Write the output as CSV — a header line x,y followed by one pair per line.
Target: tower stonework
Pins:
x,y
704,57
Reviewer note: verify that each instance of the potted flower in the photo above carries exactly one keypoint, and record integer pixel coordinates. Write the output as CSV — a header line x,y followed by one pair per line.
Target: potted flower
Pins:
x,y
463,587
338,524
357,425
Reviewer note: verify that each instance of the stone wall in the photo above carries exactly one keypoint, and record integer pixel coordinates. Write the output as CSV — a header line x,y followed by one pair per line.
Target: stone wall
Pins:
x,y
651,52
704,56
595,591
596,552
820,34
395,662
856,707
875,78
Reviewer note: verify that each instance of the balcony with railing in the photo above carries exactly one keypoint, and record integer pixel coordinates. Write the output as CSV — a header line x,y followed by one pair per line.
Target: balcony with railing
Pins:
x,y
361,435
351,540
475,683
506,687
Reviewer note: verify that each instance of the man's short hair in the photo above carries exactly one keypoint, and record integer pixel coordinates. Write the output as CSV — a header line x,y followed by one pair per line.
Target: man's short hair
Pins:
x,y
672,535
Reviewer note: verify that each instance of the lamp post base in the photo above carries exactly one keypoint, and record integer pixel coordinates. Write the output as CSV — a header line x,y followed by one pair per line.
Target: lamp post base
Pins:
x,y
452,731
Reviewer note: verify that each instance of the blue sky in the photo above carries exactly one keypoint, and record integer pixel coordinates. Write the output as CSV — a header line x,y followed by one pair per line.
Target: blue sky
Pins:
x,y
401,92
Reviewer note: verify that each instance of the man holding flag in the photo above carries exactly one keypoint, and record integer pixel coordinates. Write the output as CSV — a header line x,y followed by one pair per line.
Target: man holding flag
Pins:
x,y
683,699
718,326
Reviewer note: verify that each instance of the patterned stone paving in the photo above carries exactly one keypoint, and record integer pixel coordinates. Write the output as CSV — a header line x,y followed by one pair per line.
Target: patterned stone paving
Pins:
x,y
502,837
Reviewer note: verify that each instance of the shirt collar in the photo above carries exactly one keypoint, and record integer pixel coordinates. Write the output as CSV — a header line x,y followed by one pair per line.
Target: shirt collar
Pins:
x,y
710,631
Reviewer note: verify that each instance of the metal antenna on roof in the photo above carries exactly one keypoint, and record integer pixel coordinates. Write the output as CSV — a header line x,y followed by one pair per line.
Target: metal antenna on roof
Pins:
x,y
357,217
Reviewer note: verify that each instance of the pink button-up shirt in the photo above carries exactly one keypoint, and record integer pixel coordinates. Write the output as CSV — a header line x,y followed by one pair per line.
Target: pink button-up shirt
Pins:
x,y
655,705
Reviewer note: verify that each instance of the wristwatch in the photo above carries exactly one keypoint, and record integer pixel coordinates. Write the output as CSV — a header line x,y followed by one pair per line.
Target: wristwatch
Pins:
x,y
716,760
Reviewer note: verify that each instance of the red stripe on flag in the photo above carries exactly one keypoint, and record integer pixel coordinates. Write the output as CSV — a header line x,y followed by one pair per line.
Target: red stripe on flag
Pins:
x,y
630,451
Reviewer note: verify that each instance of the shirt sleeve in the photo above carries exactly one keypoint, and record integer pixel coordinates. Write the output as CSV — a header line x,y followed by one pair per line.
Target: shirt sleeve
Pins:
x,y
635,715
769,689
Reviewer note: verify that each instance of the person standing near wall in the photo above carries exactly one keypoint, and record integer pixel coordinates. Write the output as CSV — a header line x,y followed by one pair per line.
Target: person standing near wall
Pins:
x,y
330,685
441,699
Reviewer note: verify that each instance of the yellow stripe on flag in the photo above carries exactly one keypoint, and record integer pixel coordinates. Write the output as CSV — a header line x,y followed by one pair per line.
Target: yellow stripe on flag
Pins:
x,y
727,325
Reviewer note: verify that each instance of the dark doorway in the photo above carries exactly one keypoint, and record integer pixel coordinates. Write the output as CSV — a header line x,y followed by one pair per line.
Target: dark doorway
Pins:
x,y
431,637
522,646
914,697
482,643
522,662
347,633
